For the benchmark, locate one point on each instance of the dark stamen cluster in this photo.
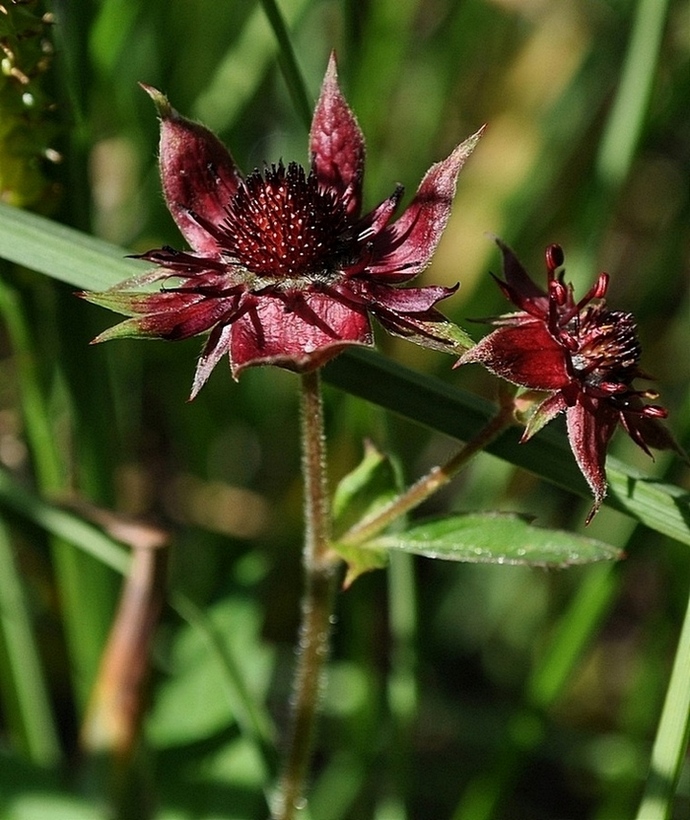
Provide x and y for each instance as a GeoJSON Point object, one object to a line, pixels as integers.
{"type": "Point", "coordinates": [282, 225]}
{"type": "Point", "coordinates": [608, 347]}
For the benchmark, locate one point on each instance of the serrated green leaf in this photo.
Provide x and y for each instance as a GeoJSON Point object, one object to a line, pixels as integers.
{"type": "Point", "coordinates": [495, 538]}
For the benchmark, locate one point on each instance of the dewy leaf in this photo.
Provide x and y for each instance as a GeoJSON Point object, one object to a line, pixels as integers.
{"type": "Point", "coordinates": [495, 538]}
{"type": "Point", "coordinates": [368, 488]}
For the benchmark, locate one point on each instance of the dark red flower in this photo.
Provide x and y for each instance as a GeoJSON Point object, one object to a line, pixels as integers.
{"type": "Point", "coordinates": [583, 354]}
{"type": "Point", "coordinates": [283, 268]}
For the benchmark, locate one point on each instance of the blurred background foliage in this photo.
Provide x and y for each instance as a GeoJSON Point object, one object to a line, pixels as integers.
{"type": "Point", "coordinates": [456, 691]}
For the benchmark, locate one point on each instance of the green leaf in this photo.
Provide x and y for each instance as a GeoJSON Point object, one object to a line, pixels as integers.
{"type": "Point", "coordinates": [364, 491]}
{"type": "Point", "coordinates": [495, 538]}
{"type": "Point", "coordinates": [359, 560]}
{"type": "Point", "coordinates": [219, 672]}
{"type": "Point", "coordinates": [359, 495]}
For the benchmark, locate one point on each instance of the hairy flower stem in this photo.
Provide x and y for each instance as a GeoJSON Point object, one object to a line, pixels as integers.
{"type": "Point", "coordinates": [433, 481]}
{"type": "Point", "coordinates": [317, 606]}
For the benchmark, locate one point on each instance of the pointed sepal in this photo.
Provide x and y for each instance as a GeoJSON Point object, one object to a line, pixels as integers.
{"type": "Point", "coordinates": [198, 174]}
{"type": "Point", "coordinates": [336, 142]}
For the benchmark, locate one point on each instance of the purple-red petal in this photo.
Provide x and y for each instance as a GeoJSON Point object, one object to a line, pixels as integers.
{"type": "Point", "coordinates": [300, 337]}
{"type": "Point", "coordinates": [184, 322]}
{"type": "Point", "coordinates": [526, 355]}
{"type": "Point", "coordinates": [336, 142]}
{"type": "Point", "coordinates": [521, 289]}
{"type": "Point", "coordinates": [168, 316]}
{"type": "Point", "coordinates": [591, 423]}
{"type": "Point", "coordinates": [198, 174]}
{"type": "Point", "coordinates": [408, 244]}
{"type": "Point", "coordinates": [647, 430]}
{"type": "Point", "coordinates": [409, 300]}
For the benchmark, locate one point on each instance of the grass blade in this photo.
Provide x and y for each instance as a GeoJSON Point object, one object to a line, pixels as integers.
{"type": "Point", "coordinates": [62, 524]}
{"type": "Point", "coordinates": [619, 141]}
{"type": "Point", "coordinates": [243, 68]}
{"type": "Point", "coordinates": [670, 745]}
{"type": "Point", "coordinates": [33, 712]}
{"type": "Point", "coordinates": [288, 63]}
{"type": "Point", "coordinates": [61, 252]}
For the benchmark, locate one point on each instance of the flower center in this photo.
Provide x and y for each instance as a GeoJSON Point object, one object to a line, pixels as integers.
{"type": "Point", "coordinates": [282, 225]}
{"type": "Point", "coordinates": [608, 348]}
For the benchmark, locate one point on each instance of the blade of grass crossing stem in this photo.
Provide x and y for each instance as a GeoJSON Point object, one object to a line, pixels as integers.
{"type": "Point", "coordinates": [440, 406]}
{"type": "Point", "coordinates": [624, 127]}
{"type": "Point", "coordinates": [27, 706]}
{"type": "Point", "coordinates": [288, 62]}
{"type": "Point", "coordinates": [670, 744]}
{"type": "Point", "coordinates": [83, 583]}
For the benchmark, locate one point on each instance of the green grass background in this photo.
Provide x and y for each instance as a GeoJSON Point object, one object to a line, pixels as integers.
{"type": "Point", "coordinates": [456, 691]}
